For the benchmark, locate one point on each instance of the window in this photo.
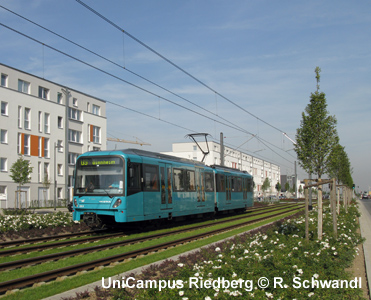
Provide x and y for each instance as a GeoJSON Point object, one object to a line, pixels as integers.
{"type": "Point", "coordinates": [60, 146]}
{"type": "Point", "coordinates": [2, 189]}
{"type": "Point", "coordinates": [250, 185]}
{"type": "Point", "coordinates": [3, 164]}
{"type": "Point", "coordinates": [39, 122]}
{"type": "Point", "coordinates": [19, 143]}
{"type": "Point", "coordinates": [4, 80]}
{"type": "Point", "coordinates": [74, 136]}
{"type": "Point", "coordinates": [60, 169]}
{"type": "Point", "coordinates": [27, 118]}
{"type": "Point", "coordinates": [151, 178]}
{"type": "Point", "coordinates": [96, 134]}
{"type": "Point", "coordinates": [43, 93]}
{"type": "Point", "coordinates": [40, 146]}
{"type": "Point", "coordinates": [19, 116]}
{"type": "Point", "coordinates": [59, 98]}
{"type": "Point", "coordinates": [239, 185]}
{"type": "Point", "coordinates": [178, 178]}
{"type": "Point", "coordinates": [23, 86]}
{"type": "Point", "coordinates": [59, 193]}
{"type": "Point", "coordinates": [134, 185]}
{"type": "Point", "coordinates": [96, 110]}
{"type": "Point", "coordinates": [74, 102]}
{"type": "Point", "coordinates": [190, 181]}
{"type": "Point", "coordinates": [4, 108]}
{"type": "Point", "coordinates": [46, 123]}
{"type": "Point", "coordinates": [72, 158]}
{"type": "Point", "coordinates": [39, 179]}
{"type": "Point", "coordinates": [209, 182]}
{"type": "Point", "coordinates": [4, 136]}
{"type": "Point", "coordinates": [74, 114]}
{"type": "Point", "coordinates": [220, 181]}
{"type": "Point", "coordinates": [60, 122]}
{"type": "Point", "coordinates": [46, 148]}
{"type": "Point", "coordinates": [46, 171]}
{"type": "Point", "coordinates": [26, 145]}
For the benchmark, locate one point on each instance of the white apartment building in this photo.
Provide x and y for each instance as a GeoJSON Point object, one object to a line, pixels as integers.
{"type": "Point", "coordinates": [50, 125]}
{"type": "Point", "coordinates": [236, 159]}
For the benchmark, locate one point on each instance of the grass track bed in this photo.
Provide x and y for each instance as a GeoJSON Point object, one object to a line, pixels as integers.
{"type": "Point", "coordinates": [48, 266]}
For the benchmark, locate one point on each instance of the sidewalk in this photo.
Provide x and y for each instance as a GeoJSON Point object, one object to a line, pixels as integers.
{"type": "Point", "coordinates": [365, 222]}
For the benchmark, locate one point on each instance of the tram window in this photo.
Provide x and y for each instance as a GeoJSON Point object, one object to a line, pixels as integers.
{"type": "Point", "coordinates": [190, 181]}
{"type": "Point", "coordinates": [239, 185]}
{"type": "Point", "coordinates": [151, 178]}
{"type": "Point", "coordinates": [250, 185]}
{"type": "Point", "coordinates": [220, 183]}
{"type": "Point", "coordinates": [133, 178]}
{"type": "Point", "coordinates": [178, 177]}
{"type": "Point", "coordinates": [209, 182]}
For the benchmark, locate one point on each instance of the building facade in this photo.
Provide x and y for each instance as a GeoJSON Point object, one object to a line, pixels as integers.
{"type": "Point", "coordinates": [49, 125]}
{"type": "Point", "coordinates": [257, 167]}
{"type": "Point", "coordinates": [294, 184]}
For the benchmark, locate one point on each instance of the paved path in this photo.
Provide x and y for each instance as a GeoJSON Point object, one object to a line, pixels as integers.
{"type": "Point", "coordinates": [365, 220]}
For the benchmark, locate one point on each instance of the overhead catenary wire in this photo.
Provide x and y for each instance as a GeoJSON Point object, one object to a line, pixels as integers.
{"type": "Point", "coordinates": [121, 67]}
{"type": "Point", "coordinates": [123, 80]}
{"type": "Point", "coordinates": [105, 72]}
{"type": "Point", "coordinates": [175, 65]}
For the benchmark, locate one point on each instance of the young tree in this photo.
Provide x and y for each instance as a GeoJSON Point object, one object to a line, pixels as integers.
{"type": "Point", "coordinates": [317, 134]}
{"type": "Point", "coordinates": [287, 187]}
{"type": "Point", "coordinates": [266, 185]}
{"type": "Point", "coordinates": [339, 166]}
{"type": "Point", "coordinates": [20, 172]}
{"type": "Point", "coordinates": [300, 190]}
{"type": "Point", "coordinates": [278, 187]}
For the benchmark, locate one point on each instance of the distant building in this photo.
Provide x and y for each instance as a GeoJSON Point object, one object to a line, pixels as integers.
{"type": "Point", "coordinates": [257, 167]}
{"type": "Point", "coordinates": [292, 183]}
{"type": "Point", "coordinates": [37, 122]}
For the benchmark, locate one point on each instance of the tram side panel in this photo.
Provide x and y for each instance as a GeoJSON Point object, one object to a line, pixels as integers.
{"type": "Point", "coordinates": [233, 190]}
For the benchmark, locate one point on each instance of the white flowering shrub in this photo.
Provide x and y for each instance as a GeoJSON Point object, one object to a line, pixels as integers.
{"type": "Point", "coordinates": [279, 252]}
{"type": "Point", "coordinates": [34, 221]}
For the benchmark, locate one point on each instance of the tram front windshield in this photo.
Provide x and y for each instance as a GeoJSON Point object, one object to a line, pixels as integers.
{"type": "Point", "coordinates": [99, 176]}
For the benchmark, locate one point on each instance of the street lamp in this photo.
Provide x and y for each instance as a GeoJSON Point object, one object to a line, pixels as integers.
{"type": "Point", "coordinates": [55, 173]}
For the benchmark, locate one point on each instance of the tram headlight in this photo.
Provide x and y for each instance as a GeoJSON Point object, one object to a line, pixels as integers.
{"type": "Point", "coordinates": [117, 203]}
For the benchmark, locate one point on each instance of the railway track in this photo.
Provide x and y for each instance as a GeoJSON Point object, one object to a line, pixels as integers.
{"type": "Point", "coordinates": [19, 242]}
{"type": "Point", "coordinates": [66, 236]}
{"type": "Point", "coordinates": [39, 247]}
{"type": "Point", "coordinates": [73, 269]}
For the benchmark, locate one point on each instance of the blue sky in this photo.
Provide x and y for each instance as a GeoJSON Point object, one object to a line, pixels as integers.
{"type": "Point", "coordinates": [259, 54]}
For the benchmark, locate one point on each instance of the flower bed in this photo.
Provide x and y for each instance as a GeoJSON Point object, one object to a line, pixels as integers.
{"type": "Point", "coordinates": [16, 223]}
{"type": "Point", "coordinates": [275, 264]}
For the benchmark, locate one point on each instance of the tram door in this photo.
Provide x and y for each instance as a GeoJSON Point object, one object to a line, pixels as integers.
{"type": "Point", "coordinates": [166, 186]}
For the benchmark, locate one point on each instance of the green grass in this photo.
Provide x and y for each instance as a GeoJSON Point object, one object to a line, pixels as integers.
{"type": "Point", "coordinates": [96, 275]}
{"type": "Point", "coordinates": [80, 246]}
{"type": "Point", "coordinates": [48, 266]}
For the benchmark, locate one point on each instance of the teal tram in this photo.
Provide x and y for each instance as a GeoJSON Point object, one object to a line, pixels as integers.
{"type": "Point", "coordinates": [125, 186]}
